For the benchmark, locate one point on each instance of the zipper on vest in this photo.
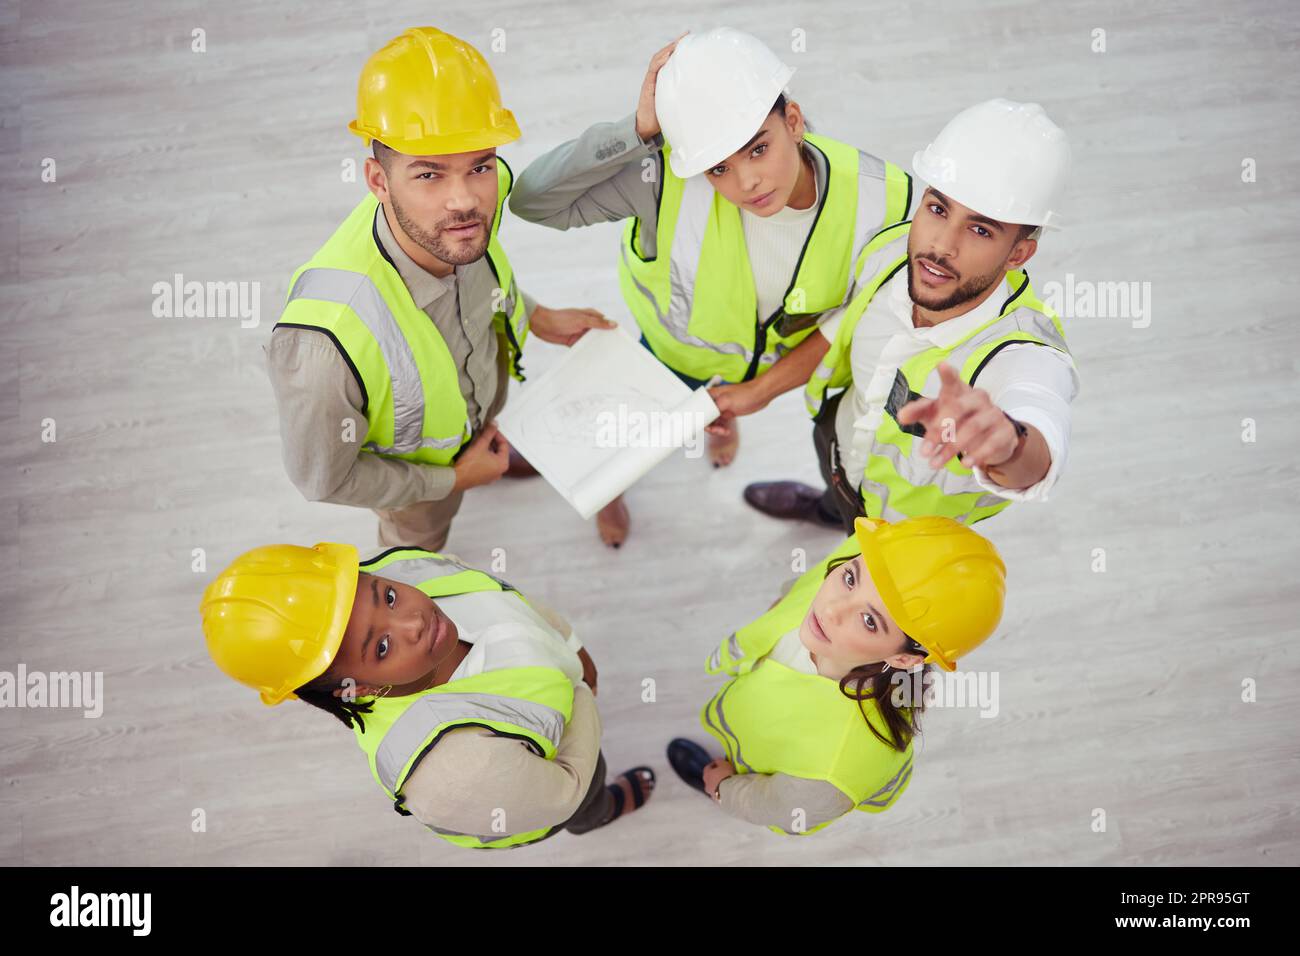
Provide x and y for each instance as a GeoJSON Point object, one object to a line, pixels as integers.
{"type": "Point", "coordinates": [760, 337]}
{"type": "Point", "coordinates": [517, 352]}
{"type": "Point", "coordinates": [761, 327]}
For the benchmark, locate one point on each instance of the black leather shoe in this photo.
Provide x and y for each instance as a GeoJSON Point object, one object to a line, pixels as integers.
{"type": "Point", "coordinates": [689, 760]}
{"type": "Point", "coordinates": [792, 500]}
{"type": "Point", "coordinates": [519, 466]}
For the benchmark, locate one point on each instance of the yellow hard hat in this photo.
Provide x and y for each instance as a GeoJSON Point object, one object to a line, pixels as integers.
{"type": "Point", "coordinates": [429, 93]}
{"type": "Point", "coordinates": [275, 618]}
{"type": "Point", "coordinates": [942, 582]}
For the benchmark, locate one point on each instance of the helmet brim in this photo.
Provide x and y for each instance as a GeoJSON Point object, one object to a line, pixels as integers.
{"type": "Point", "coordinates": [346, 569]}
{"type": "Point", "coordinates": [446, 145]}
{"type": "Point", "coordinates": [864, 529]}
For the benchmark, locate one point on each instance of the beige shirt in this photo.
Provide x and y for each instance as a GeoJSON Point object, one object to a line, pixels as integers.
{"type": "Point", "coordinates": [476, 782]}
{"type": "Point", "coordinates": [318, 395]}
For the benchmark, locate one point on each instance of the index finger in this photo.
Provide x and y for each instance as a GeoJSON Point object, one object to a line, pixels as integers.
{"type": "Point", "coordinates": [915, 410]}
{"type": "Point", "coordinates": [949, 378]}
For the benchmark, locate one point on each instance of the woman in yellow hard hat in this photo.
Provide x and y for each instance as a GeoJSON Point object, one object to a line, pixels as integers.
{"type": "Point", "coordinates": [442, 672]}
{"type": "Point", "coordinates": [741, 225]}
{"type": "Point", "coordinates": [819, 716]}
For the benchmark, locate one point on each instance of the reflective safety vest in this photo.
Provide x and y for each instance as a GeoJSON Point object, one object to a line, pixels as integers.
{"type": "Point", "coordinates": [532, 704]}
{"type": "Point", "coordinates": [410, 387]}
{"type": "Point", "coordinates": [772, 719]}
{"type": "Point", "coordinates": [898, 481]}
{"type": "Point", "coordinates": [695, 299]}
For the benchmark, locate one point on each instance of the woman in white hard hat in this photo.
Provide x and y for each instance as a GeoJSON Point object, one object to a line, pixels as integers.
{"type": "Point", "coordinates": [819, 716]}
{"type": "Point", "coordinates": [741, 224]}
{"type": "Point", "coordinates": [475, 710]}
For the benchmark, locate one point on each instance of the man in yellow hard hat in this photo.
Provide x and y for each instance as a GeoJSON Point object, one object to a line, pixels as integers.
{"type": "Point", "coordinates": [391, 359]}
{"type": "Point", "coordinates": [815, 721]}
{"type": "Point", "coordinates": [474, 706]}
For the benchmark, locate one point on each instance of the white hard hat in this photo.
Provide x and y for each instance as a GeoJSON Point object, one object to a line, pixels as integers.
{"type": "Point", "coordinates": [1005, 160]}
{"type": "Point", "coordinates": [712, 95]}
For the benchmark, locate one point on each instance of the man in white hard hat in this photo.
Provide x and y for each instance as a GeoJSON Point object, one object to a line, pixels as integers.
{"type": "Point", "coordinates": [957, 381]}
{"type": "Point", "coordinates": [741, 224]}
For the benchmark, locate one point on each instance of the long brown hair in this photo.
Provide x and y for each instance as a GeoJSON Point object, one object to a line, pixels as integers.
{"type": "Point", "coordinates": [872, 682]}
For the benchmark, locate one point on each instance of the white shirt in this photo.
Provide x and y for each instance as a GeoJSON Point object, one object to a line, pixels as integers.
{"type": "Point", "coordinates": [789, 650]}
{"type": "Point", "coordinates": [773, 244]}
{"type": "Point", "coordinates": [1031, 383]}
{"type": "Point", "coordinates": [506, 632]}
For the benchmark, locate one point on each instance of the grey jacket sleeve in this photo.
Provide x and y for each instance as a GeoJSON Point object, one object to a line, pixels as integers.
{"type": "Point", "coordinates": [606, 174]}
{"type": "Point", "coordinates": [478, 783]}
{"type": "Point", "coordinates": [319, 401]}
{"type": "Point", "coordinates": [530, 304]}
{"type": "Point", "coordinates": [794, 804]}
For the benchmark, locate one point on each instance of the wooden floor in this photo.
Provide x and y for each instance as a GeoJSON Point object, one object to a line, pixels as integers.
{"type": "Point", "coordinates": [1120, 691]}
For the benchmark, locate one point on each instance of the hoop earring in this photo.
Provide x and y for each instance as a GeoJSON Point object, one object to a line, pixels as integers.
{"type": "Point", "coordinates": [884, 666]}
{"type": "Point", "coordinates": [383, 691]}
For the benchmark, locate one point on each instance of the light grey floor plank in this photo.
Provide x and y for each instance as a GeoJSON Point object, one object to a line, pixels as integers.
{"type": "Point", "coordinates": [1119, 690]}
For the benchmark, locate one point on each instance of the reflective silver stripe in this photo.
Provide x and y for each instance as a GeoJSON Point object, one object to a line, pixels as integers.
{"type": "Point", "coordinates": [509, 302]}
{"type": "Point", "coordinates": [709, 720]}
{"type": "Point", "coordinates": [726, 727]}
{"type": "Point", "coordinates": [882, 796]}
{"type": "Point", "coordinates": [891, 514]}
{"type": "Point", "coordinates": [915, 469]}
{"type": "Point", "coordinates": [482, 838]}
{"type": "Point", "coordinates": [886, 512]}
{"type": "Point", "coordinates": [871, 176]}
{"type": "Point", "coordinates": [816, 387]}
{"type": "Point", "coordinates": [918, 474]}
{"type": "Point", "coordinates": [415, 571]}
{"type": "Point", "coordinates": [715, 659]}
{"type": "Point", "coordinates": [516, 303]}
{"type": "Point", "coordinates": [410, 732]}
{"type": "Point", "coordinates": [680, 334]}
{"type": "Point", "coordinates": [489, 837]}
{"type": "Point", "coordinates": [733, 648]}
{"type": "Point", "coordinates": [884, 801]}
{"type": "Point", "coordinates": [455, 442]}
{"type": "Point", "coordinates": [683, 261]}
{"type": "Point", "coordinates": [874, 264]}
{"type": "Point", "coordinates": [356, 291]}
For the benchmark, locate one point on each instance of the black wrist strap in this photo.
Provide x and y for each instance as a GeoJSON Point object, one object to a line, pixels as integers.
{"type": "Point", "coordinates": [1022, 430]}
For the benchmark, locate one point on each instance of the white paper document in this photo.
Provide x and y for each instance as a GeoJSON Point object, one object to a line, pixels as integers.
{"type": "Point", "coordinates": [602, 417]}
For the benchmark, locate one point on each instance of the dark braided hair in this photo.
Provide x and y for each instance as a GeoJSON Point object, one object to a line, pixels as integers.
{"type": "Point", "coordinates": [319, 692]}
{"type": "Point", "coordinates": [871, 682]}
